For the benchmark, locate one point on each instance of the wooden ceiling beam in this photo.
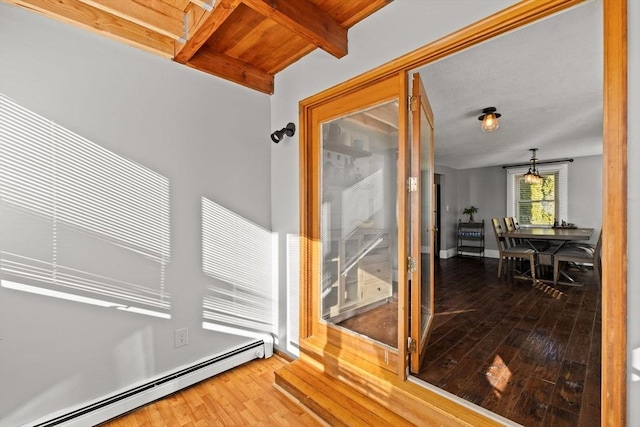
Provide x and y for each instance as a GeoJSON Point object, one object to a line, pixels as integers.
{"type": "Point", "coordinates": [206, 25]}
{"type": "Point", "coordinates": [98, 21]}
{"type": "Point", "coordinates": [157, 16]}
{"type": "Point", "coordinates": [307, 20]}
{"type": "Point", "coordinates": [234, 70]}
{"type": "Point", "coordinates": [370, 8]}
{"type": "Point", "coordinates": [205, 4]}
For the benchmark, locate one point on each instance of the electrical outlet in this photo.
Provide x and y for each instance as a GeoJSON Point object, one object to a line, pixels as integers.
{"type": "Point", "coordinates": [181, 337]}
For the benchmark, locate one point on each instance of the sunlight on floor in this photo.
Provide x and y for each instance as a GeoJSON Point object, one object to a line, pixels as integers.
{"type": "Point", "coordinates": [498, 376]}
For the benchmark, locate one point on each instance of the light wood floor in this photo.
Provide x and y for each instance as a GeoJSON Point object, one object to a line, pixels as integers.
{"type": "Point", "coordinates": [243, 396]}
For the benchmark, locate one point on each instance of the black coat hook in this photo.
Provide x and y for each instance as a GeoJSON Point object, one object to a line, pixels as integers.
{"type": "Point", "coordinates": [289, 130]}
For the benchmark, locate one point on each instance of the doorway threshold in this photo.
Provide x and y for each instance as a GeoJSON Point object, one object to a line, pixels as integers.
{"type": "Point", "coordinates": [479, 409]}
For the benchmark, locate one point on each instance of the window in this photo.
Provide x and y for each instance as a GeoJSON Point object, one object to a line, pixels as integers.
{"type": "Point", "coordinates": [538, 204]}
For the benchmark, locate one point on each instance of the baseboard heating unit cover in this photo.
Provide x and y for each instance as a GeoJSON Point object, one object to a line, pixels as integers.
{"type": "Point", "coordinates": [124, 401]}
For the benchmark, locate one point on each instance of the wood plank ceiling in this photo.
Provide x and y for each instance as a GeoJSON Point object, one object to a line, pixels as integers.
{"type": "Point", "coordinates": [244, 41]}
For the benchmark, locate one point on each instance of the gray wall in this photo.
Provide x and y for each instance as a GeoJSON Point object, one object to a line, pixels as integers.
{"type": "Point", "coordinates": [486, 189]}
{"type": "Point", "coordinates": [209, 137]}
{"type": "Point", "coordinates": [585, 193]}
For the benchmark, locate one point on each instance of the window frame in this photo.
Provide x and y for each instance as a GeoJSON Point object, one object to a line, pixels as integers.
{"type": "Point", "coordinates": [562, 194]}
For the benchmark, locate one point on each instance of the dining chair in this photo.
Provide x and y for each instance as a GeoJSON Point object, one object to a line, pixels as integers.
{"type": "Point", "coordinates": [583, 253]}
{"type": "Point", "coordinates": [506, 252]}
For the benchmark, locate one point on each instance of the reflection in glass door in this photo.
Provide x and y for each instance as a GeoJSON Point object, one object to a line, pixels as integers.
{"type": "Point", "coordinates": [359, 224]}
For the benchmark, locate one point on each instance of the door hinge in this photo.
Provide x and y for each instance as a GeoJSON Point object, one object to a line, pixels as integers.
{"type": "Point", "coordinates": [411, 345]}
{"type": "Point", "coordinates": [412, 265]}
{"type": "Point", "coordinates": [413, 103]}
{"type": "Point", "coordinates": [412, 184]}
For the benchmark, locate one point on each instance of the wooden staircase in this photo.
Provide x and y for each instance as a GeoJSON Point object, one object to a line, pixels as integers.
{"type": "Point", "coordinates": [333, 401]}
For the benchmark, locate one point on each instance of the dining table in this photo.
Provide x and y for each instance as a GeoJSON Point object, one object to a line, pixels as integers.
{"type": "Point", "coordinates": [558, 235]}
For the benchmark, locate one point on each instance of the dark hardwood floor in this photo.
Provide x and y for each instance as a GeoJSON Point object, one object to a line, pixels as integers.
{"type": "Point", "coordinates": [528, 353]}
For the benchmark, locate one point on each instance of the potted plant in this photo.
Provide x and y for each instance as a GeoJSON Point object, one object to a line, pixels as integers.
{"type": "Point", "coordinates": [470, 211]}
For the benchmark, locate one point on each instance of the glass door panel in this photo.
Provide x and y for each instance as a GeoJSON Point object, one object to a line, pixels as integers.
{"type": "Point", "coordinates": [422, 222]}
{"type": "Point", "coordinates": [358, 224]}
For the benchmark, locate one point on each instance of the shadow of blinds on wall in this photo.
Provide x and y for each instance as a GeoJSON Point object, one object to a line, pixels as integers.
{"type": "Point", "coordinates": [77, 221]}
{"type": "Point", "coordinates": [241, 255]}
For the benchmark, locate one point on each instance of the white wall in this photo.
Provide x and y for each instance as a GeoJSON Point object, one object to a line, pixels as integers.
{"type": "Point", "coordinates": [408, 25]}
{"type": "Point", "coordinates": [209, 137]}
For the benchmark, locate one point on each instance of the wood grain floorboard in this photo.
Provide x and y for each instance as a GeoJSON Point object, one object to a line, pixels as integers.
{"type": "Point", "coordinates": [531, 354]}
{"type": "Point", "coordinates": [527, 352]}
{"type": "Point", "coordinates": [243, 396]}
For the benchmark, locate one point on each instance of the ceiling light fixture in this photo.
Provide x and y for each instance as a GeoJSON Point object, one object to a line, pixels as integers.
{"type": "Point", "coordinates": [533, 176]}
{"type": "Point", "coordinates": [489, 119]}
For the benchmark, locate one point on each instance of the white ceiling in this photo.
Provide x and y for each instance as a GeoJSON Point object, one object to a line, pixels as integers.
{"type": "Point", "coordinates": [546, 81]}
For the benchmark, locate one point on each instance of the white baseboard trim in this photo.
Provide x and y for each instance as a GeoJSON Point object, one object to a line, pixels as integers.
{"type": "Point", "coordinates": [448, 253]}
{"type": "Point", "coordinates": [491, 253]}
{"type": "Point", "coordinates": [112, 406]}
{"type": "Point", "coordinates": [488, 253]}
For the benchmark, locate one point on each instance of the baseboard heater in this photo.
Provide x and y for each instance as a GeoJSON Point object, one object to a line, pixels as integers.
{"type": "Point", "coordinates": [130, 399]}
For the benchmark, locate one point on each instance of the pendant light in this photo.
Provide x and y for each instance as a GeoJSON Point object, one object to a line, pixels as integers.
{"type": "Point", "coordinates": [533, 176]}
{"type": "Point", "coordinates": [489, 119]}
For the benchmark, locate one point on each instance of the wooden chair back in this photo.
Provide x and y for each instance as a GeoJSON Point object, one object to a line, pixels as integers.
{"type": "Point", "coordinates": [515, 222]}
{"type": "Point", "coordinates": [507, 252]}
{"type": "Point", "coordinates": [499, 233]}
{"type": "Point", "coordinates": [510, 225]}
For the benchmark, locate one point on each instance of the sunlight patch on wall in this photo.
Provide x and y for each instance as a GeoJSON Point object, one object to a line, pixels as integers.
{"type": "Point", "coordinates": [79, 222]}
{"type": "Point", "coordinates": [293, 293]}
{"type": "Point", "coordinates": [241, 255]}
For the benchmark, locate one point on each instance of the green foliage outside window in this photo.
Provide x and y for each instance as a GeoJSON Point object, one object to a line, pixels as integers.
{"type": "Point", "coordinates": [537, 202]}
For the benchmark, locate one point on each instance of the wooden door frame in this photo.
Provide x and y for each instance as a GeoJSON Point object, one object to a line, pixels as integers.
{"type": "Point", "coordinates": [614, 214]}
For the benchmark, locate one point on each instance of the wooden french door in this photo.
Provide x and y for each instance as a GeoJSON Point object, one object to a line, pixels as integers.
{"type": "Point", "coordinates": [422, 228]}
{"type": "Point", "coordinates": [357, 223]}
{"type": "Point", "coordinates": [370, 166]}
